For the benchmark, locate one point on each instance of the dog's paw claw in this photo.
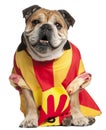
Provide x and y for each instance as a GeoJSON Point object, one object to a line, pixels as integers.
{"type": "Point", "coordinates": [91, 120]}
{"type": "Point", "coordinates": [29, 123]}
{"type": "Point", "coordinates": [83, 121]}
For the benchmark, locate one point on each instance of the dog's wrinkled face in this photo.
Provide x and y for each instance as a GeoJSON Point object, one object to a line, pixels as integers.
{"type": "Point", "coordinates": [46, 32]}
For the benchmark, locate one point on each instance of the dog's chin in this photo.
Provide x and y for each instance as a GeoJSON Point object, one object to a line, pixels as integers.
{"type": "Point", "coordinates": [44, 51]}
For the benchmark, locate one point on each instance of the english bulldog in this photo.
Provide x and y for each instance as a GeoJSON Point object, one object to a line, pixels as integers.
{"type": "Point", "coordinates": [48, 71]}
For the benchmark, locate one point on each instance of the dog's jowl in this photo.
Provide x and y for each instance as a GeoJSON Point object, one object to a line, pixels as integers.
{"type": "Point", "coordinates": [49, 73]}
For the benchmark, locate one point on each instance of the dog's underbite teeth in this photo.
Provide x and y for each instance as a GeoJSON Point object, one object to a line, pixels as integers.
{"type": "Point", "coordinates": [43, 41]}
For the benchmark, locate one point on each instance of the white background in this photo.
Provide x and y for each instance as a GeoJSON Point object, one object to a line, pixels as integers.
{"type": "Point", "coordinates": [88, 34]}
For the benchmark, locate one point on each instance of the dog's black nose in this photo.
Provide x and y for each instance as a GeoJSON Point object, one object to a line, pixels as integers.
{"type": "Point", "coordinates": [46, 27]}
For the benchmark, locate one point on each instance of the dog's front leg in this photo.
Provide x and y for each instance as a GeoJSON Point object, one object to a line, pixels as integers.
{"type": "Point", "coordinates": [31, 118]}
{"type": "Point", "coordinates": [77, 118]}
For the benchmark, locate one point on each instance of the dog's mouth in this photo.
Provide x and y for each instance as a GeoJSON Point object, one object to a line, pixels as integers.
{"type": "Point", "coordinates": [42, 45]}
{"type": "Point", "coordinates": [44, 40]}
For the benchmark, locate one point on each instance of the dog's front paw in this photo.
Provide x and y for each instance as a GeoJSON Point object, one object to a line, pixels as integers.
{"type": "Point", "coordinates": [30, 121]}
{"type": "Point", "coordinates": [82, 121]}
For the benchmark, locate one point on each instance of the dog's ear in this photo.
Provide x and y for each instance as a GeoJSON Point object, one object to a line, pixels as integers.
{"type": "Point", "coordinates": [67, 17]}
{"type": "Point", "coordinates": [29, 11]}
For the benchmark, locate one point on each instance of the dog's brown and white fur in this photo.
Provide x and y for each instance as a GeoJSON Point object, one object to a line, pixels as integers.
{"type": "Point", "coordinates": [45, 36]}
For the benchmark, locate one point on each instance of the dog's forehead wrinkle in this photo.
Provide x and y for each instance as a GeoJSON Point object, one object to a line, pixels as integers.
{"type": "Point", "coordinates": [48, 14]}
{"type": "Point", "coordinates": [42, 17]}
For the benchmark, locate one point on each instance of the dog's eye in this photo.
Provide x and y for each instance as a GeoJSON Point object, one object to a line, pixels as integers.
{"type": "Point", "coordinates": [58, 25]}
{"type": "Point", "coordinates": [35, 22]}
